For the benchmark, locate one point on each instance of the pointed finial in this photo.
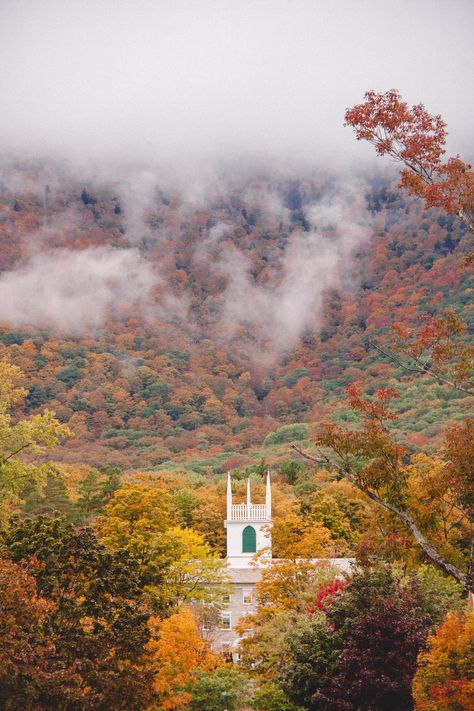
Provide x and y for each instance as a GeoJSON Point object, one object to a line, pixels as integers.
{"type": "Point", "coordinates": [268, 497]}
{"type": "Point", "coordinates": [229, 497]}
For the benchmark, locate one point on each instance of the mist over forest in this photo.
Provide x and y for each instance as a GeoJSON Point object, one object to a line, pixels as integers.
{"type": "Point", "coordinates": [276, 289]}
{"type": "Point", "coordinates": [257, 296]}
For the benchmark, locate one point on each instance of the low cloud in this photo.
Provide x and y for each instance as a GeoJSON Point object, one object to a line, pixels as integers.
{"type": "Point", "coordinates": [75, 290]}
{"type": "Point", "coordinates": [266, 310]}
{"type": "Point", "coordinates": [314, 261]}
{"type": "Point", "coordinates": [198, 101]}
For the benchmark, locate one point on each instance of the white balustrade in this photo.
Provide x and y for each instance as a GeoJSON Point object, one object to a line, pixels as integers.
{"type": "Point", "coordinates": [244, 512]}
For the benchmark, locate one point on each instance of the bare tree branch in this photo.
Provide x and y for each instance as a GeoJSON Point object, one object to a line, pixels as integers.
{"type": "Point", "coordinates": [421, 540]}
{"type": "Point", "coordinates": [17, 451]}
{"type": "Point", "coordinates": [421, 369]}
{"type": "Point", "coordinates": [318, 460]}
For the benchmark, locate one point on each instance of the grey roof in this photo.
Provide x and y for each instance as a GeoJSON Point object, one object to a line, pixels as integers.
{"type": "Point", "coordinates": [254, 575]}
{"type": "Point", "coordinates": [345, 565]}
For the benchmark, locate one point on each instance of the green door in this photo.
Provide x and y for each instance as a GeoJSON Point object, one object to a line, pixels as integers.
{"type": "Point", "coordinates": [249, 540]}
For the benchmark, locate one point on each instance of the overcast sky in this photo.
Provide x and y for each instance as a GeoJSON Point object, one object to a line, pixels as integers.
{"type": "Point", "coordinates": [168, 80]}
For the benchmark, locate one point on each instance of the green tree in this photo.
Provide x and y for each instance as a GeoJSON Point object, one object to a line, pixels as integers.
{"type": "Point", "coordinates": [48, 498]}
{"type": "Point", "coordinates": [266, 645]}
{"type": "Point", "coordinates": [272, 698]}
{"type": "Point", "coordinates": [292, 471]}
{"type": "Point", "coordinates": [22, 441]}
{"type": "Point", "coordinates": [325, 509]}
{"type": "Point", "coordinates": [441, 593]}
{"type": "Point", "coordinates": [219, 689]}
{"type": "Point", "coordinates": [284, 595]}
{"type": "Point", "coordinates": [95, 491]}
{"type": "Point", "coordinates": [310, 662]}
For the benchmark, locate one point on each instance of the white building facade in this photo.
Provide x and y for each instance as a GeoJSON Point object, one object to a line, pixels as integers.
{"type": "Point", "coordinates": [248, 528]}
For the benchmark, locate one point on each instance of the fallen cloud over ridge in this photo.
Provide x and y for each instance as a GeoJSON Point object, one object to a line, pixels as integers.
{"type": "Point", "coordinates": [75, 290]}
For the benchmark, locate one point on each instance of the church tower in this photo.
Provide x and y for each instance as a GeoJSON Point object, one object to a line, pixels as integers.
{"type": "Point", "coordinates": [248, 527]}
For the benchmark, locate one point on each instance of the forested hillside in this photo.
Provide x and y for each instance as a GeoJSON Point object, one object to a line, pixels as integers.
{"type": "Point", "coordinates": [212, 320]}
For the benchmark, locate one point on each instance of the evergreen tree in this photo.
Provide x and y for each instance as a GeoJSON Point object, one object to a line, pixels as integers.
{"type": "Point", "coordinates": [51, 498]}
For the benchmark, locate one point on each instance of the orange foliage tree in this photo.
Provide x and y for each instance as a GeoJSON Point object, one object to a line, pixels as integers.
{"type": "Point", "coordinates": [26, 648]}
{"type": "Point", "coordinates": [445, 678]}
{"type": "Point", "coordinates": [437, 348]}
{"type": "Point", "coordinates": [177, 652]}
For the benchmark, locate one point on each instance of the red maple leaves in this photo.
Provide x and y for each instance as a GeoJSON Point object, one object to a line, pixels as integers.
{"type": "Point", "coordinates": [326, 593]}
{"type": "Point", "coordinates": [417, 139]}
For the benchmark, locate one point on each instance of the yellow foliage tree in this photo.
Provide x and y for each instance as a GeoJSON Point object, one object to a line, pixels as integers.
{"type": "Point", "coordinates": [178, 565]}
{"type": "Point", "coordinates": [432, 498]}
{"type": "Point", "coordinates": [291, 585]}
{"type": "Point", "coordinates": [196, 573]}
{"type": "Point", "coordinates": [292, 537]}
{"type": "Point", "coordinates": [208, 515]}
{"type": "Point", "coordinates": [134, 520]}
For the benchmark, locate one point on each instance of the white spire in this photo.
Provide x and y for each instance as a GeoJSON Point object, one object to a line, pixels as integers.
{"type": "Point", "coordinates": [268, 497]}
{"type": "Point", "coordinates": [229, 497]}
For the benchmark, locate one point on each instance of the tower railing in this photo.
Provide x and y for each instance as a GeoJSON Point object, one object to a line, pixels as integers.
{"type": "Point", "coordinates": [244, 512]}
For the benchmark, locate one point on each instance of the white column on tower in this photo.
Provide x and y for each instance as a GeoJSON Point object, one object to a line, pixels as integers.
{"type": "Point", "coordinates": [248, 497]}
{"type": "Point", "coordinates": [268, 498]}
{"type": "Point", "coordinates": [229, 497]}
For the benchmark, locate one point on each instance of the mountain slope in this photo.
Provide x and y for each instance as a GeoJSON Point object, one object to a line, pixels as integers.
{"type": "Point", "coordinates": [169, 326]}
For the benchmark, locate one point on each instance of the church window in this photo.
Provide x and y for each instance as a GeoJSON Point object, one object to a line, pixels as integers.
{"type": "Point", "coordinates": [207, 619]}
{"type": "Point", "coordinates": [247, 597]}
{"type": "Point", "coordinates": [249, 540]}
{"type": "Point", "coordinates": [225, 621]}
{"type": "Point", "coordinates": [226, 599]}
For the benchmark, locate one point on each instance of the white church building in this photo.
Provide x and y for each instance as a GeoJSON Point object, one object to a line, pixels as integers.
{"type": "Point", "coordinates": [248, 527]}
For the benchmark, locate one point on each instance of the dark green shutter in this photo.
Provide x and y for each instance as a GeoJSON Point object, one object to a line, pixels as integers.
{"type": "Point", "coordinates": [249, 540]}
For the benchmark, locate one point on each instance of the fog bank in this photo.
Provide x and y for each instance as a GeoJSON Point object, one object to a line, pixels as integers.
{"type": "Point", "coordinates": [182, 83]}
